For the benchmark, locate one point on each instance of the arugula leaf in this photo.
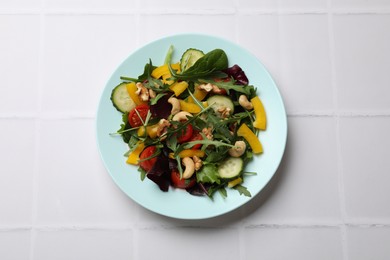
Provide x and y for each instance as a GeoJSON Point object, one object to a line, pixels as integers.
{"type": "Point", "coordinates": [214, 156]}
{"type": "Point", "coordinates": [208, 174]}
{"type": "Point", "coordinates": [206, 142]}
{"type": "Point", "coordinates": [124, 131]}
{"type": "Point", "coordinates": [133, 143]}
{"type": "Point", "coordinates": [223, 192]}
{"type": "Point", "coordinates": [230, 85]}
{"type": "Point", "coordinates": [153, 101]}
{"type": "Point", "coordinates": [242, 190]}
{"type": "Point", "coordinates": [168, 56]}
{"type": "Point", "coordinates": [142, 173]}
{"type": "Point", "coordinates": [147, 71]}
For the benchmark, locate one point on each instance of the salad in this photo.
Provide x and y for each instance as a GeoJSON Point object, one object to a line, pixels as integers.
{"type": "Point", "coordinates": [191, 124]}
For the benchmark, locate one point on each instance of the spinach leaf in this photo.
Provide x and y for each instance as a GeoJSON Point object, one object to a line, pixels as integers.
{"type": "Point", "coordinates": [212, 62]}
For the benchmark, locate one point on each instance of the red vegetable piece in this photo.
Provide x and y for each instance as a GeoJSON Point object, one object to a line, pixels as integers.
{"type": "Point", "coordinates": [196, 136]}
{"type": "Point", "coordinates": [146, 153]}
{"type": "Point", "coordinates": [181, 183]}
{"type": "Point", "coordinates": [185, 134]}
{"type": "Point", "coordinates": [136, 119]}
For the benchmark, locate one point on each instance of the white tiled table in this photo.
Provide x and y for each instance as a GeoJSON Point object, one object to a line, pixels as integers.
{"type": "Point", "coordinates": [330, 198]}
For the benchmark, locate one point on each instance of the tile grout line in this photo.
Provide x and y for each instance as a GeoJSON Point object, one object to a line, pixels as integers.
{"type": "Point", "coordinates": [137, 227]}
{"type": "Point", "coordinates": [136, 230]}
{"type": "Point", "coordinates": [241, 226]}
{"type": "Point", "coordinates": [181, 11]}
{"type": "Point", "coordinates": [35, 184]}
{"type": "Point", "coordinates": [341, 187]}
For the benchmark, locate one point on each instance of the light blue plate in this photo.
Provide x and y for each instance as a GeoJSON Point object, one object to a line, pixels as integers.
{"type": "Point", "coordinates": [178, 203]}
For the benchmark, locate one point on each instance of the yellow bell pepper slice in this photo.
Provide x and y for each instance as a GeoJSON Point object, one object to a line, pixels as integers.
{"type": "Point", "coordinates": [261, 118]}
{"type": "Point", "coordinates": [166, 79]}
{"type": "Point", "coordinates": [189, 153]}
{"type": "Point", "coordinates": [131, 89]}
{"type": "Point", "coordinates": [189, 107]}
{"type": "Point", "coordinates": [164, 70]}
{"type": "Point", "coordinates": [151, 130]}
{"type": "Point", "coordinates": [199, 94]}
{"type": "Point", "coordinates": [134, 155]}
{"type": "Point", "coordinates": [251, 138]}
{"type": "Point", "coordinates": [179, 87]}
{"type": "Point", "coordinates": [234, 182]}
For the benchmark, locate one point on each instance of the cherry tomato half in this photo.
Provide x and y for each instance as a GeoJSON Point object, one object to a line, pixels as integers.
{"type": "Point", "coordinates": [137, 119]}
{"type": "Point", "coordinates": [146, 153]}
{"type": "Point", "coordinates": [185, 134]}
{"type": "Point", "coordinates": [196, 136]}
{"type": "Point", "coordinates": [181, 183]}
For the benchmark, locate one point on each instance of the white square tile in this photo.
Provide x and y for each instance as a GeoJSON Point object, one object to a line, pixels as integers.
{"type": "Point", "coordinates": [20, 4]}
{"type": "Point", "coordinates": [74, 187]}
{"type": "Point", "coordinates": [366, 167]}
{"type": "Point", "coordinates": [187, 5]}
{"type": "Point", "coordinates": [362, 59]}
{"type": "Point", "coordinates": [305, 64]}
{"type": "Point", "coordinates": [19, 66]}
{"type": "Point", "coordinates": [17, 151]}
{"type": "Point", "coordinates": [89, 4]}
{"type": "Point", "coordinates": [176, 243]}
{"type": "Point", "coordinates": [155, 26]}
{"type": "Point", "coordinates": [258, 4]}
{"type": "Point", "coordinates": [83, 244]}
{"type": "Point", "coordinates": [368, 243]}
{"type": "Point", "coordinates": [360, 4]}
{"type": "Point", "coordinates": [15, 245]}
{"type": "Point", "coordinates": [283, 5]}
{"type": "Point", "coordinates": [262, 42]}
{"type": "Point", "coordinates": [305, 189]}
{"type": "Point", "coordinates": [81, 53]}
{"type": "Point", "coordinates": [303, 4]}
{"type": "Point", "coordinates": [292, 243]}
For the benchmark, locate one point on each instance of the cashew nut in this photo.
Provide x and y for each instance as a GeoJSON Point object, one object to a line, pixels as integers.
{"type": "Point", "coordinates": [162, 127]}
{"type": "Point", "coordinates": [152, 93]}
{"type": "Point", "coordinates": [142, 91]}
{"type": "Point", "coordinates": [238, 149]}
{"type": "Point", "coordinates": [175, 105]}
{"type": "Point", "coordinates": [211, 87]}
{"type": "Point", "coordinates": [189, 167]}
{"type": "Point", "coordinates": [197, 162]}
{"type": "Point", "coordinates": [181, 116]}
{"type": "Point", "coordinates": [207, 87]}
{"type": "Point", "coordinates": [245, 103]}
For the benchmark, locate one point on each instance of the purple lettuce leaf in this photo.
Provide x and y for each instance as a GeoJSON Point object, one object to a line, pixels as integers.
{"type": "Point", "coordinates": [238, 74]}
{"type": "Point", "coordinates": [160, 173]}
{"type": "Point", "coordinates": [162, 109]}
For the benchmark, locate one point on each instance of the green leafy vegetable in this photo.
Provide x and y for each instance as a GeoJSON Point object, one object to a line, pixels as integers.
{"type": "Point", "coordinates": [168, 56]}
{"type": "Point", "coordinates": [230, 85]}
{"type": "Point", "coordinates": [212, 62]}
{"type": "Point", "coordinates": [208, 174]}
{"type": "Point", "coordinates": [242, 190]}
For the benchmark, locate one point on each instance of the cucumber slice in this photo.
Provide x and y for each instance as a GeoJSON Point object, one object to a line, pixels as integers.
{"type": "Point", "coordinates": [189, 57]}
{"type": "Point", "coordinates": [231, 167]}
{"type": "Point", "coordinates": [219, 102]}
{"type": "Point", "coordinates": [121, 99]}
